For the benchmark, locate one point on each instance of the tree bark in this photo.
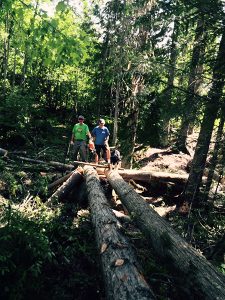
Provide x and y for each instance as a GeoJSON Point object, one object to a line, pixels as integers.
{"type": "Point", "coordinates": [28, 42]}
{"type": "Point", "coordinates": [150, 177]}
{"type": "Point", "coordinates": [167, 94]}
{"type": "Point", "coordinates": [6, 51]}
{"type": "Point", "coordinates": [133, 115]}
{"type": "Point", "coordinates": [75, 179]}
{"type": "Point", "coordinates": [122, 278]}
{"type": "Point", "coordinates": [59, 181]}
{"type": "Point", "coordinates": [198, 278]}
{"type": "Point", "coordinates": [191, 100]}
{"type": "Point", "coordinates": [57, 165]}
{"type": "Point", "coordinates": [218, 249]}
{"type": "Point", "coordinates": [214, 159]}
{"type": "Point", "coordinates": [92, 164]}
{"type": "Point", "coordinates": [210, 114]}
{"type": "Point", "coordinates": [3, 152]}
{"type": "Point", "coordinates": [116, 111]}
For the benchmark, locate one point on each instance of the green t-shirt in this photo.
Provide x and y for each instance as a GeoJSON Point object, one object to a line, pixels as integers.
{"type": "Point", "coordinates": [80, 131]}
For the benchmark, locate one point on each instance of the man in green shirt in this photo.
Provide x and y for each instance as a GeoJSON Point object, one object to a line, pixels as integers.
{"type": "Point", "coordinates": [79, 136]}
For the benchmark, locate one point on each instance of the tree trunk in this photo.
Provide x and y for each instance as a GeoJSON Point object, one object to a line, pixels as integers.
{"type": "Point", "coordinates": [6, 51]}
{"type": "Point", "coordinates": [198, 278]}
{"type": "Point", "coordinates": [3, 152]}
{"type": "Point", "coordinates": [59, 181]}
{"type": "Point", "coordinates": [57, 165]}
{"type": "Point", "coordinates": [122, 278]}
{"type": "Point", "coordinates": [28, 49]}
{"type": "Point", "coordinates": [161, 179]}
{"type": "Point", "coordinates": [211, 110]}
{"type": "Point", "coordinates": [75, 179]}
{"type": "Point", "coordinates": [14, 69]}
{"type": "Point", "coordinates": [168, 92]}
{"type": "Point", "coordinates": [191, 100]}
{"type": "Point", "coordinates": [132, 124]}
{"type": "Point", "coordinates": [77, 163]}
{"type": "Point", "coordinates": [151, 177]}
{"type": "Point", "coordinates": [219, 249]}
{"type": "Point", "coordinates": [116, 111]}
{"type": "Point", "coordinates": [214, 159]}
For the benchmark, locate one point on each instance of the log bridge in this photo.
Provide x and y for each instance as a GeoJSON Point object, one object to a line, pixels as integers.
{"type": "Point", "coordinates": [122, 273]}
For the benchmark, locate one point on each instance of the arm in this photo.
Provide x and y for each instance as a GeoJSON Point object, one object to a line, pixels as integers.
{"type": "Point", "coordinates": [89, 134]}
{"type": "Point", "coordinates": [72, 139]}
{"type": "Point", "coordinates": [93, 134]}
{"type": "Point", "coordinates": [107, 138]}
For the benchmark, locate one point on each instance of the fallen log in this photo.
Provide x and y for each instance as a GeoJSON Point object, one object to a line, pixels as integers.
{"type": "Point", "coordinates": [76, 162]}
{"type": "Point", "coordinates": [75, 179]}
{"type": "Point", "coordinates": [151, 177]}
{"type": "Point", "coordinates": [3, 152]}
{"type": "Point", "coordinates": [106, 166]}
{"type": "Point", "coordinates": [59, 181]}
{"type": "Point", "coordinates": [122, 278]}
{"type": "Point", "coordinates": [156, 176]}
{"type": "Point", "coordinates": [57, 165]}
{"type": "Point", "coordinates": [199, 278]}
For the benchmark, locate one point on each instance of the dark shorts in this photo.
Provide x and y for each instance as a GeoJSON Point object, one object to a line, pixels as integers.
{"type": "Point", "coordinates": [98, 149]}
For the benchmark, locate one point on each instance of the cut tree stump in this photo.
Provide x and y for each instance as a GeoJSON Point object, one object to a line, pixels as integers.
{"type": "Point", "coordinates": [199, 278]}
{"type": "Point", "coordinates": [122, 278]}
{"type": "Point", "coordinates": [74, 179]}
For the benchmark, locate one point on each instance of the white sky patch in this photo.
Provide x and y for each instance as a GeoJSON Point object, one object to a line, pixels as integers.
{"type": "Point", "coordinates": [49, 8]}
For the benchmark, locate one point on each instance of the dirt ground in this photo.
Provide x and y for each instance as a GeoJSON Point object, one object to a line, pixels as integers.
{"type": "Point", "coordinates": [163, 160]}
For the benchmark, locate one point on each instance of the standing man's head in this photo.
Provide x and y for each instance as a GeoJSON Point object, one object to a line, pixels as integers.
{"type": "Point", "coordinates": [101, 122]}
{"type": "Point", "coordinates": [81, 119]}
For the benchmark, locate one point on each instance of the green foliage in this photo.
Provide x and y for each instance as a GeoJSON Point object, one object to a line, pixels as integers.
{"type": "Point", "coordinates": [2, 164]}
{"type": "Point", "coordinates": [13, 187]}
{"type": "Point", "coordinates": [24, 250]}
{"type": "Point", "coordinates": [222, 268]}
{"type": "Point", "coordinates": [44, 254]}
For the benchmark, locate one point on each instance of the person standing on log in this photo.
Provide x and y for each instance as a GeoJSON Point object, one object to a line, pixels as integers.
{"type": "Point", "coordinates": [101, 138]}
{"type": "Point", "coordinates": [79, 139]}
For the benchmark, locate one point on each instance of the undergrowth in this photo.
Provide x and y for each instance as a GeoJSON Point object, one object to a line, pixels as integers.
{"type": "Point", "coordinates": [45, 254]}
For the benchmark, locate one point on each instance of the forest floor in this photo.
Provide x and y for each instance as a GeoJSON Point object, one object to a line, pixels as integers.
{"type": "Point", "coordinates": [72, 270]}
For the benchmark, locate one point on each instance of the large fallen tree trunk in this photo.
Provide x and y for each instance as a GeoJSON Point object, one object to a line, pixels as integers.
{"type": "Point", "coordinates": [75, 178]}
{"type": "Point", "coordinates": [150, 177]}
{"type": "Point", "coordinates": [199, 278]}
{"type": "Point", "coordinates": [138, 175]}
{"type": "Point", "coordinates": [122, 278]}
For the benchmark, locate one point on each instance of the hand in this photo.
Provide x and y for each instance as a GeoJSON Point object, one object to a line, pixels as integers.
{"type": "Point", "coordinates": [71, 142]}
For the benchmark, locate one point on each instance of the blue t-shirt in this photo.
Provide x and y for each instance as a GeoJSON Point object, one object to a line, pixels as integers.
{"type": "Point", "coordinates": [100, 134]}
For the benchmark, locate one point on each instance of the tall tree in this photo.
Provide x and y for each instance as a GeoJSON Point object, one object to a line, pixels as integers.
{"type": "Point", "coordinates": [211, 109]}
{"type": "Point", "coordinates": [167, 94]}
{"type": "Point", "coordinates": [190, 106]}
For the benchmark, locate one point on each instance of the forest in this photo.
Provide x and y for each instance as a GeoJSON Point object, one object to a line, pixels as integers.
{"type": "Point", "coordinates": [154, 70]}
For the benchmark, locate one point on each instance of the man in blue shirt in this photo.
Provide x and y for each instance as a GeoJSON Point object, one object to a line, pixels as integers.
{"type": "Point", "coordinates": [101, 138]}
